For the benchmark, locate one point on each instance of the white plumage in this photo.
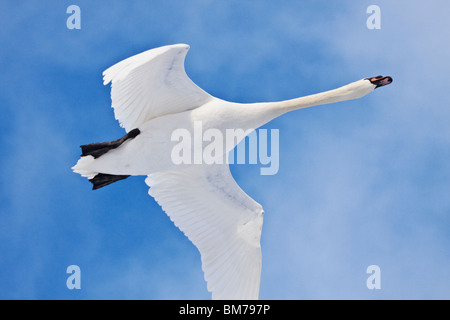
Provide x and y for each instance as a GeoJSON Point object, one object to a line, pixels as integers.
{"type": "Point", "coordinates": [221, 221]}
{"type": "Point", "coordinates": [151, 91]}
{"type": "Point", "coordinates": [152, 84]}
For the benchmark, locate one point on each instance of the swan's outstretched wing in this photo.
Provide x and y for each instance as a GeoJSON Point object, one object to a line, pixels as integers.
{"type": "Point", "coordinates": [221, 220]}
{"type": "Point", "coordinates": [152, 84]}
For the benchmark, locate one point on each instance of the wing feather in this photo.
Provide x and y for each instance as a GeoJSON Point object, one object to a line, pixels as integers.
{"type": "Point", "coordinates": [221, 220]}
{"type": "Point", "coordinates": [152, 84]}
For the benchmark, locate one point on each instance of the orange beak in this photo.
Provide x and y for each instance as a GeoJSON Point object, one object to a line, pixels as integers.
{"type": "Point", "coordinates": [380, 81]}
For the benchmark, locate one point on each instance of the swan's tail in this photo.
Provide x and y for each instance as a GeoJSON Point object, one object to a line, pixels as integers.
{"type": "Point", "coordinates": [83, 167]}
{"type": "Point", "coordinates": [92, 151]}
{"type": "Point", "coordinates": [97, 179]}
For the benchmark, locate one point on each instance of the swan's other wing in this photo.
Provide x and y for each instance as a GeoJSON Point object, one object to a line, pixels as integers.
{"type": "Point", "coordinates": [152, 84]}
{"type": "Point", "coordinates": [222, 221]}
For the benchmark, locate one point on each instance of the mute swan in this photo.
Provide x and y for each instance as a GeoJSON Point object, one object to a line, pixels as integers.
{"type": "Point", "coordinates": [152, 96]}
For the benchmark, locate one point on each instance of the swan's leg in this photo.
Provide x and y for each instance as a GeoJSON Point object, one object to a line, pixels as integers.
{"type": "Point", "coordinates": [98, 149]}
{"type": "Point", "coordinates": [102, 179]}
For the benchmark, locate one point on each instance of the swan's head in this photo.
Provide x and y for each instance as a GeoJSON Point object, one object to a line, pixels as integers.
{"type": "Point", "coordinates": [361, 87]}
{"type": "Point", "coordinates": [379, 81]}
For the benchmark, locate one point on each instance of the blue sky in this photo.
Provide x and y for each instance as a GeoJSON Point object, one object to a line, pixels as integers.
{"type": "Point", "coordinates": [361, 182]}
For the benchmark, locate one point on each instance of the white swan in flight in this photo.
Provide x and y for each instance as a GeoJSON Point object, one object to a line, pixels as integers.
{"type": "Point", "coordinates": [152, 96]}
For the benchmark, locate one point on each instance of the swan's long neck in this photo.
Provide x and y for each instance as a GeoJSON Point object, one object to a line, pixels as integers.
{"type": "Point", "coordinates": [344, 93]}
{"type": "Point", "coordinates": [271, 110]}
